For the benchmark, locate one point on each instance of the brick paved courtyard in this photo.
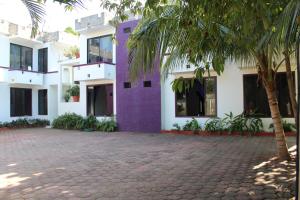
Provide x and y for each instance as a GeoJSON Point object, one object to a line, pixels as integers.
{"type": "Point", "coordinates": [54, 164]}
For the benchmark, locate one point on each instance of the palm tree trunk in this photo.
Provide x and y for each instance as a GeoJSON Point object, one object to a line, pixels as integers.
{"type": "Point", "coordinates": [291, 84]}
{"type": "Point", "coordinates": [275, 113]}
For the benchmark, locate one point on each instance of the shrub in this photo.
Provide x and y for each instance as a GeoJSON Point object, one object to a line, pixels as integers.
{"type": "Point", "coordinates": [254, 124]}
{"type": "Point", "coordinates": [287, 127]}
{"type": "Point", "coordinates": [88, 124]}
{"type": "Point", "coordinates": [107, 125]}
{"type": "Point", "coordinates": [67, 121]}
{"type": "Point", "coordinates": [25, 123]}
{"type": "Point", "coordinates": [214, 124]}
{"type": "Point", "coordinates": [176, 127]}
{"type": "Point", "coordinates": [242, 123]}
{"type": "Point", "coordinates": [192, 125]}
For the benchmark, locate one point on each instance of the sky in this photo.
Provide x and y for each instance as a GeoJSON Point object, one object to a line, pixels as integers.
{"type": "Point", "coordinates": [56, 17]}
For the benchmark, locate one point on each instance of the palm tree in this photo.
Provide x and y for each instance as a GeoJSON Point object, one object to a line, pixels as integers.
{"type": "Point", "coordinates": [206, 33]}
{"type": "Point", "coordinates": [36, 10]}
{"type": "Point", "coordinates": [286, 35]}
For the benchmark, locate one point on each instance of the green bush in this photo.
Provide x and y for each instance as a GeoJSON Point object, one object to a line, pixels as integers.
{"type": "Point", "coordinates": [192, 125]}
{"type": "Point", "coordinates": [214, 124]}
{"type": "Point", "coordinates": [67, 121]}
{"type": "Point", "coordinates": [25, 123]}
{"type": "Point", "coordinates": [242, 123]}
{"type": "Point", "coordinates": [72, 121]}
{"type": "Point", "coordinates": [287, 127]}
{"type": "Point", "coordinates": [176, 127]}
{"type": "Point", "coordinates": [88, 124]}
{"type": "Point", "coordinates": [107, 125]}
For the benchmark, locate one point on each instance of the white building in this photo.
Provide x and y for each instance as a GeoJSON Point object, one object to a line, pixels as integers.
{"type": "Point", "coordinates": [29, 75]}
{"type": "Point", "coordinates": [35, 75]}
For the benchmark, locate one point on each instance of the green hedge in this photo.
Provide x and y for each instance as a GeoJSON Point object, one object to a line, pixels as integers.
{"type": "Point", "coordinates": [25, 123]}
{"type": "Point", "coordinates": [72, 121]}
{"type": "Point", "coordinates": [67, 121]}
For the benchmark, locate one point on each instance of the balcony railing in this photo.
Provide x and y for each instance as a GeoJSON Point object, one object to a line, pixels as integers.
{"type": "Point", "coordinates": [20, 76]}
{"type": "Point", "coordinates": [95, 71]}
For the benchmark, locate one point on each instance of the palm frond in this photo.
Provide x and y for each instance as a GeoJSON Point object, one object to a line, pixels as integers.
{"type": "Point", "coordinates": [36, 12]}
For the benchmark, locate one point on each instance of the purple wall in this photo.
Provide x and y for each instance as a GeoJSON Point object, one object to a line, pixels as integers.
{"type": "Point", "coordinates": [138, 107]}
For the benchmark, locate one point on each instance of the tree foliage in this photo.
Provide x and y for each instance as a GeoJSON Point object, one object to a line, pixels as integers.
{"type": "Point", "coordinates": [37, 11]}
{"type": "Point", "coordinates": [208, 33]}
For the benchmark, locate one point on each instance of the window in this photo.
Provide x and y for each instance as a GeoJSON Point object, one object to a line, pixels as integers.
{"type": "Point", "coordinates": [20, 102]}
{"type": "Point", "coordinates": [127, 85]}
{"type": "Point", "coordinates": [199, 100]}
{"type": "Point", "coordinates": [42, 99]}
{"type": "Point", "coordinates": [99, 49]}
{"type": "Point", "coordinates": [100, 100]}
{"type": "Point", "coordinates": [147, 83]}
{"type": "Point", "coordinates": [255, 97]}
{"type": "Point", "coordinates": [127, 30]}
{"type": "Point", "coordinates": [20, 57]}
{"type": "Point", "coordinates": [43, 60]}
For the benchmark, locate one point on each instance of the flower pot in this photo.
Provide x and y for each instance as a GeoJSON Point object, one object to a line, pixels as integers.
{"type": "Point", "coordinates": [77, 55]}
{"type": "Point", "coordinates": [75, 98]}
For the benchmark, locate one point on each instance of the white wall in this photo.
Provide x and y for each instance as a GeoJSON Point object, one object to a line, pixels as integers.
{"type": "Point", "coordinates": [4, 51]}
{"type": "Point", "coordinates": [229, 96]}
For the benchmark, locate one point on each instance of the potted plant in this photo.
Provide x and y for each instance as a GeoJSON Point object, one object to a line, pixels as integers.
{"type": "Point", "coordinates": [67, 97]}
{"type": "Point", "coordinates": [72, 52]}
{"type": "Point", "coordinates": [76, 52]}
{"type": "Point", "coordinates": [74, 92]}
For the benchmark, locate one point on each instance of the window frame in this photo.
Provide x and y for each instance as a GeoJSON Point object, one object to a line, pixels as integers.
{"type": "Point", "coordinates": [20, 58]}
{"type": "Point", "coordinates": [87, 49]}
{"type": "Point", "coordinates": [244, 99]}
{"type": "Point", "coordinates": [216, 103]}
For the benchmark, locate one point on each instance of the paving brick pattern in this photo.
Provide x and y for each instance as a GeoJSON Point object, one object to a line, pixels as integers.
{"type": "Point", "coordinates": [53, 164]}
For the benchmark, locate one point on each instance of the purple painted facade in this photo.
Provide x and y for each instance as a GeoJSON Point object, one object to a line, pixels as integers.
{"type": "Point", "coordinates": [138, 107]}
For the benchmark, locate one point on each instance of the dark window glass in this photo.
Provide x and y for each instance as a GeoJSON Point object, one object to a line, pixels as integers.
{"type": "Point", "coordinates": [99, 49]}
{"type": "Point", "coordinates": [15, 55]}
{"type": "Point", "coordinates": [127, 85]}
{"type": "Point", "coordinates": [100, 100]}
{"type": "Point", "coordinates": [147, 83]}
{"type": "Point", "coordinates": [43, 102]}
{"type": "Point", "coordinates": [127, 30]}
{"type": "Point", "coordinates": [20, 57]}
{"type": "Point", "coordinates": [255, 97]}
{"type": "Point", "coordinates": [20, 102]}
{"type": "Point", "coordinates": [43, 60]}
{"type": "Point", "coordinates": [199, 100]}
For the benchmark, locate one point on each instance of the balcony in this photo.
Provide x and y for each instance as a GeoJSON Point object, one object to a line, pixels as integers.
{"type": "Point", "coordinates": [98, 71]}
{"type": "Point", "coordinates": [17, 76]}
